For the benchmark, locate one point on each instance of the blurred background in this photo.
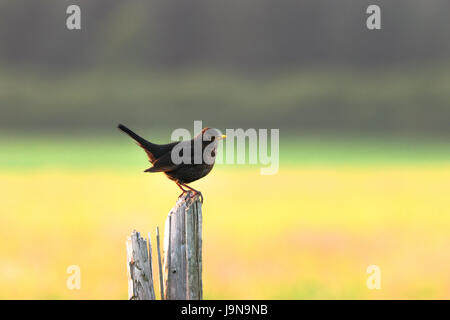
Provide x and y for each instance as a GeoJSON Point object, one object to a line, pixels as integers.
{"type": "Point", "coordinates": [364, 149]}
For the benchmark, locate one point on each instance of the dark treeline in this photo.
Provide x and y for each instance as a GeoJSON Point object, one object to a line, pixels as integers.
{"type": "Point", "coordinates": [249, 35]}
{"type": "Point", "coordinates": [299, 65]}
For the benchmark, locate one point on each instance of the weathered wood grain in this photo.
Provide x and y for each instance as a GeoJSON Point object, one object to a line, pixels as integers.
{"type": "Point", "coordinates": [182, 250]}
{"type": "Point", "coordinates": [193, 251]}
{"type": "Point", "coordinates": [140, 279]}
{"type": "Point", "coordinates": [182, 277]}
{"type": "Point", "coordinates": [161, 282]}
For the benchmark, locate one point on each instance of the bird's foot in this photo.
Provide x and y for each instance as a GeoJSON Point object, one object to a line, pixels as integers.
{"type": "Point", "coordinates": [189, 194]}
{"type": "Point", "coordinates": [199, 194]}
{"type": "Point", "coordinates": [192, 194]}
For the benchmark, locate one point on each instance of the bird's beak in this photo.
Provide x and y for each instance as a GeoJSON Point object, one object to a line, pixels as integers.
{"type": "Point", "coordinates": [223, 137]}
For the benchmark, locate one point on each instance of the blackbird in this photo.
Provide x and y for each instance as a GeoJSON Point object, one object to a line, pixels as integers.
{"type": "Point", "coordinates": [185, 161]}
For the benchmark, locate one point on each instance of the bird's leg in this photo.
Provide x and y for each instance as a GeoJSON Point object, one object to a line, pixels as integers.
{"type": "Point", "coordinates": [184, 191]}
{"type": "Point", "coordinates": [195, 191]}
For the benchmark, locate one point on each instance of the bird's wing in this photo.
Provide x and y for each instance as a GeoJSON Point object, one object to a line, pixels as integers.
{"type": "Point", "coordinates": [159, 150]}
{"type": "Point", "coordinates": [163, 164]}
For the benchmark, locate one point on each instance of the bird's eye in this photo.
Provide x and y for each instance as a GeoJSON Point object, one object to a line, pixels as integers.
{"type": "Point", "coordinates": [213, 153]}
{"type": "Point", "coordinates": [213, 138]}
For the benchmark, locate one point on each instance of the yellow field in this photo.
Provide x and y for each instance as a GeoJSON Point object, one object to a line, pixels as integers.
{"type": "Point", "coordinates": [303, 233]}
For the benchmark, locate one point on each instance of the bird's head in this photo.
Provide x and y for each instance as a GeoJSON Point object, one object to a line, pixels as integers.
{"type": "Point", "coordinates": [211, 135]}
{"type": "Point", "coordinates": [210, 138]}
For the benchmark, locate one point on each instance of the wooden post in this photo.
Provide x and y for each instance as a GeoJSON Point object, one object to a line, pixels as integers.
{"type": "Point", "coordinates": [161, 281]}
{"type": "Point", "coordinates": [139, 269]}
{"type": "Point", "coordinates": [182, 256]}
{"type": "Point", "coordinates": [183, 250]}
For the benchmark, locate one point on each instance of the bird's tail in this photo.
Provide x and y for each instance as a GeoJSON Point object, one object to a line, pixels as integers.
{"type": "Point", "coordinates": [144, 143]}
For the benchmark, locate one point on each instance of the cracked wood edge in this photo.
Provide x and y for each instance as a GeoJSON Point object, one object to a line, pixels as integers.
{"type": "Point", "coordinates": [140, 279]}
{"type": "Point", "coordinates": [182, 250]}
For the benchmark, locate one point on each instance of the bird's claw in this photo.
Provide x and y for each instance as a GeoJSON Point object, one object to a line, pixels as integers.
{"type": "Point", "coordinates": [192, 194]}
{"type": "Point", "coordinates": [201, 196]}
